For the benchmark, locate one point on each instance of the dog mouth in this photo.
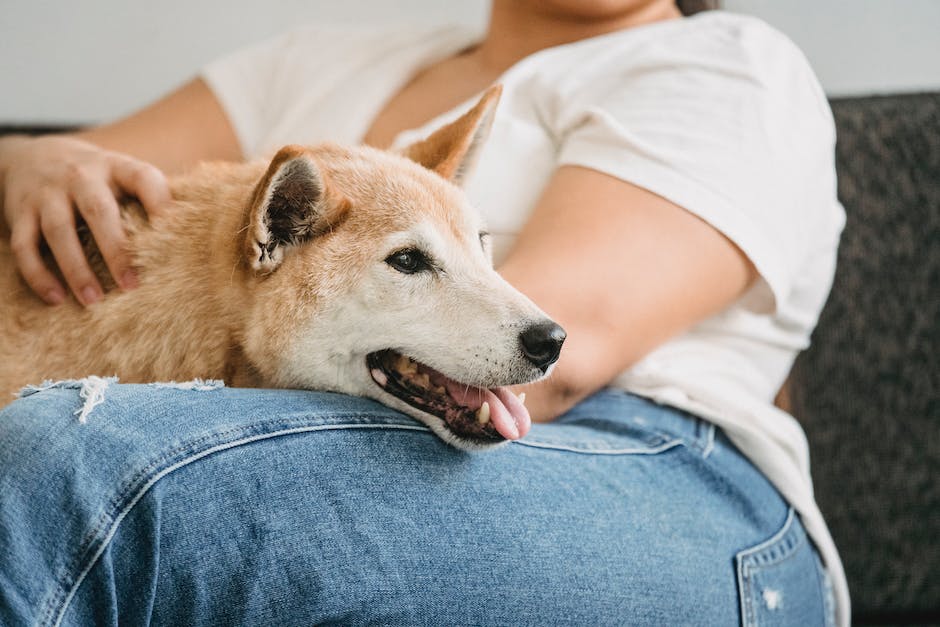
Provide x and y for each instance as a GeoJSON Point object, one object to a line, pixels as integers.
{"type": "Point", "coordinates": [482, 415]}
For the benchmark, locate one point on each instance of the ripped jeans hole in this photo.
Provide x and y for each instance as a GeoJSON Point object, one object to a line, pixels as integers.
{"type": "Point", "coordinates": [91, 389]}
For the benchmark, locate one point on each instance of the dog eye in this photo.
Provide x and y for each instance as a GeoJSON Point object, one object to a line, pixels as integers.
{"type": "Point", "coordinates": [408, 261]}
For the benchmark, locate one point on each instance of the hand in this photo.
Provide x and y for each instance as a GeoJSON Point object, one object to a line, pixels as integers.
{"type": "Point", "coordinates": [44, 182]}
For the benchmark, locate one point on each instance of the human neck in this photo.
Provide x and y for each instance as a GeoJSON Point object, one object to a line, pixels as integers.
{"type": "Point", "coordinates": [519, 28]}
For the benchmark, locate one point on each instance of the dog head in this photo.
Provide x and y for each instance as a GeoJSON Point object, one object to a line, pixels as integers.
{"type": "Point", "coordinates": [372, 275]}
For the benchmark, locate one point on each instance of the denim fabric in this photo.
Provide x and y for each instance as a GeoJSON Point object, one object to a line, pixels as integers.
{"type": "Point", "coordinates": [271, 507]}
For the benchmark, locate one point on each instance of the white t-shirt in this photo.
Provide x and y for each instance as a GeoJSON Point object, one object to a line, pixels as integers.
{"type": "Point", "coordinates": [718, 113]}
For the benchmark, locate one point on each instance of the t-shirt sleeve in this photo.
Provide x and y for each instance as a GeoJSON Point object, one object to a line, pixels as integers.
{"type": "Point", "coordinates": [732, 127]}
{"type": "Point", "coordinates": [244, 82]}
{"type": "Point", "coordinates": [261, 86]}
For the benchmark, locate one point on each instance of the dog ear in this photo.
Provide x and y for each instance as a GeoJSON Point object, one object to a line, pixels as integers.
{"type": "Point", "coordinates": [452, 149]}
{"type": "Point", "coordinates": [291, 204]}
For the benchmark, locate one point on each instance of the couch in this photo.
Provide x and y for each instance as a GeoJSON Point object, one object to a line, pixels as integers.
{"type": "Point", "coordinates": [868, 389]}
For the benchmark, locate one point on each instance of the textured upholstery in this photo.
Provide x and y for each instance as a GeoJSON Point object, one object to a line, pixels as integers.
{"type": "Point", "coordinates": [867, 389]}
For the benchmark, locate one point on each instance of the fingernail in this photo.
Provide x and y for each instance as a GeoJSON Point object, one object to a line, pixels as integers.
{"type": "Point", "coordinates": [90, 295]}
{"type": "Point", "coordinates": [55, 297]}
{"type": "Point", "coordinates": [129, 280]}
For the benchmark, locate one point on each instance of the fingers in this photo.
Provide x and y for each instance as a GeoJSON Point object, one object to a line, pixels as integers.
{"type": "Point", "coordinates": [24, 242]}
{"type": "Point", "coordinates": [97, 204]}
{"type": "Point", "coordinates": [57, 222]}
{"type": "Point", "coordinates": [95, 201]}
{"type": "Point", "coordinates": [142, 180]}
{"type": "Point", "coordinates": [45, 182]}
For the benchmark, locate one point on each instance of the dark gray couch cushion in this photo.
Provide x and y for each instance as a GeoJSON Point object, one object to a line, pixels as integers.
{"type": "Point", "coordinates": [867, 390]}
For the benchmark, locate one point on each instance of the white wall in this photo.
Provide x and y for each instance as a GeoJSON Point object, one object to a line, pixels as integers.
{"type": "Point", "coordinates": [88, 60]}
{"type": "Point", "coordinates": [67, 61]}
{"type": "Point", "coordinates": [860, 46]}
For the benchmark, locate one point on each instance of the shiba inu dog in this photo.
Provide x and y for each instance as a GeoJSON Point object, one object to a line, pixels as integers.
{"type": "Point", "coordinates": [344, 269]}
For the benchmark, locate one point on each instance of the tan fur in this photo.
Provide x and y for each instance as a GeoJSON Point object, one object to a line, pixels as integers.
{"type": "Point", "coordinates": [197, 294]}
{"type": "Point", "coordinates": [214, 302]}
{"type": "Point", "coordinates": [451, 150]}
{"type": "Point", "coordinates": [179, 324]}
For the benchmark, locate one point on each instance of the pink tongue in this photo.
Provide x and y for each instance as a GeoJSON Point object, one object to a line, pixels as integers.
{"type": "Point", "coordinates": [509, 416]}
{"type": "Point", "coordinates": [516, 409]}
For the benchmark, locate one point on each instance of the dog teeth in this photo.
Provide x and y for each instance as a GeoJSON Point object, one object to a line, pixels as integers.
{"type": "Point", "coordinates": [406, 365]}
{"type": "Point", "coordinates": [483, 414]}
{"type": "Point", "coordinates": [522, 397]}
{"type": "Point", "coordinates": [379, 377]}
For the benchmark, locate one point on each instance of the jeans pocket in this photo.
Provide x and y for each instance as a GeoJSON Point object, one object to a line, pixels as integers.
{"type": "Point", "coordinates": [782, 582]}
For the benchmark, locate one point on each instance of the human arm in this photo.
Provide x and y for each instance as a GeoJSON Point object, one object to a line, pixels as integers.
{"type": "Point", "coordinates": [45, 180]}
{"type": "Point", "coordinates": [748, 152]}
{"type": "Point", "coordinates": [622, 270]}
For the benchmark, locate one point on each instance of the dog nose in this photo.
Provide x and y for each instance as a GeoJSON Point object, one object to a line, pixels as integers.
{"type": "Point", "coordinates": [542, 342]}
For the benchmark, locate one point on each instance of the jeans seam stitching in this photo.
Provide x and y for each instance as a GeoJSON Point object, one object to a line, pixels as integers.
{"type": "Point", "coordinates": [748, 566]}
{"type": "Point", "coordinates": [790, 553]}
{"type": "Point", "coordinates": [751, 568]}
{"type": "Point", "coordinates": [131, 484]}
{"type": "Point", "coordinates": [772, 540]}
{"type": "Point", "coordinates": [119, 507]}
{"type": "Point", "coordinates": [825, 586]}
{"type": "Point", "coordinates": [665, 446]}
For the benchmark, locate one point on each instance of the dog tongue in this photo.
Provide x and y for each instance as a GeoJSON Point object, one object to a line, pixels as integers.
{"type": "Point", "coordinates": [515, 409]}
{"type": "Point", "coordinates": [509, 416]}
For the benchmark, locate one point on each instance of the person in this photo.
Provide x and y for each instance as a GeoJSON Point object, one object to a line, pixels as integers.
{"type": "Point", "coordinates": [662, 185]}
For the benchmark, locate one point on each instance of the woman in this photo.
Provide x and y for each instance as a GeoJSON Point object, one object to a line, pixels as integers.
{"type": "Point", "coordinates": [661, 186]}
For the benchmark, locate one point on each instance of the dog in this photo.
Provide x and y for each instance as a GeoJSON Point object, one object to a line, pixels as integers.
{"type": "Point", "coordinates": [344, 269]}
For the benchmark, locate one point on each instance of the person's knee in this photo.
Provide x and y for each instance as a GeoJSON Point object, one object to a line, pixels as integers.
{"type": "Point", "coordinates": [31, 421]}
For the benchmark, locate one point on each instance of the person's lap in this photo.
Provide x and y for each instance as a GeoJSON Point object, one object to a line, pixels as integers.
{"type": "Point", "coordinates": [228, 506]}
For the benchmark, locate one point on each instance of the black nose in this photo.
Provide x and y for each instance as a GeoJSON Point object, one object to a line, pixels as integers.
{"type": "Point", "coordinates": [542, 342]}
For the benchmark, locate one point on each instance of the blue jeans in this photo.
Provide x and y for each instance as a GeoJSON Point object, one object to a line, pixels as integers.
{"type": "Point", "coordinates": [263, 507]}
